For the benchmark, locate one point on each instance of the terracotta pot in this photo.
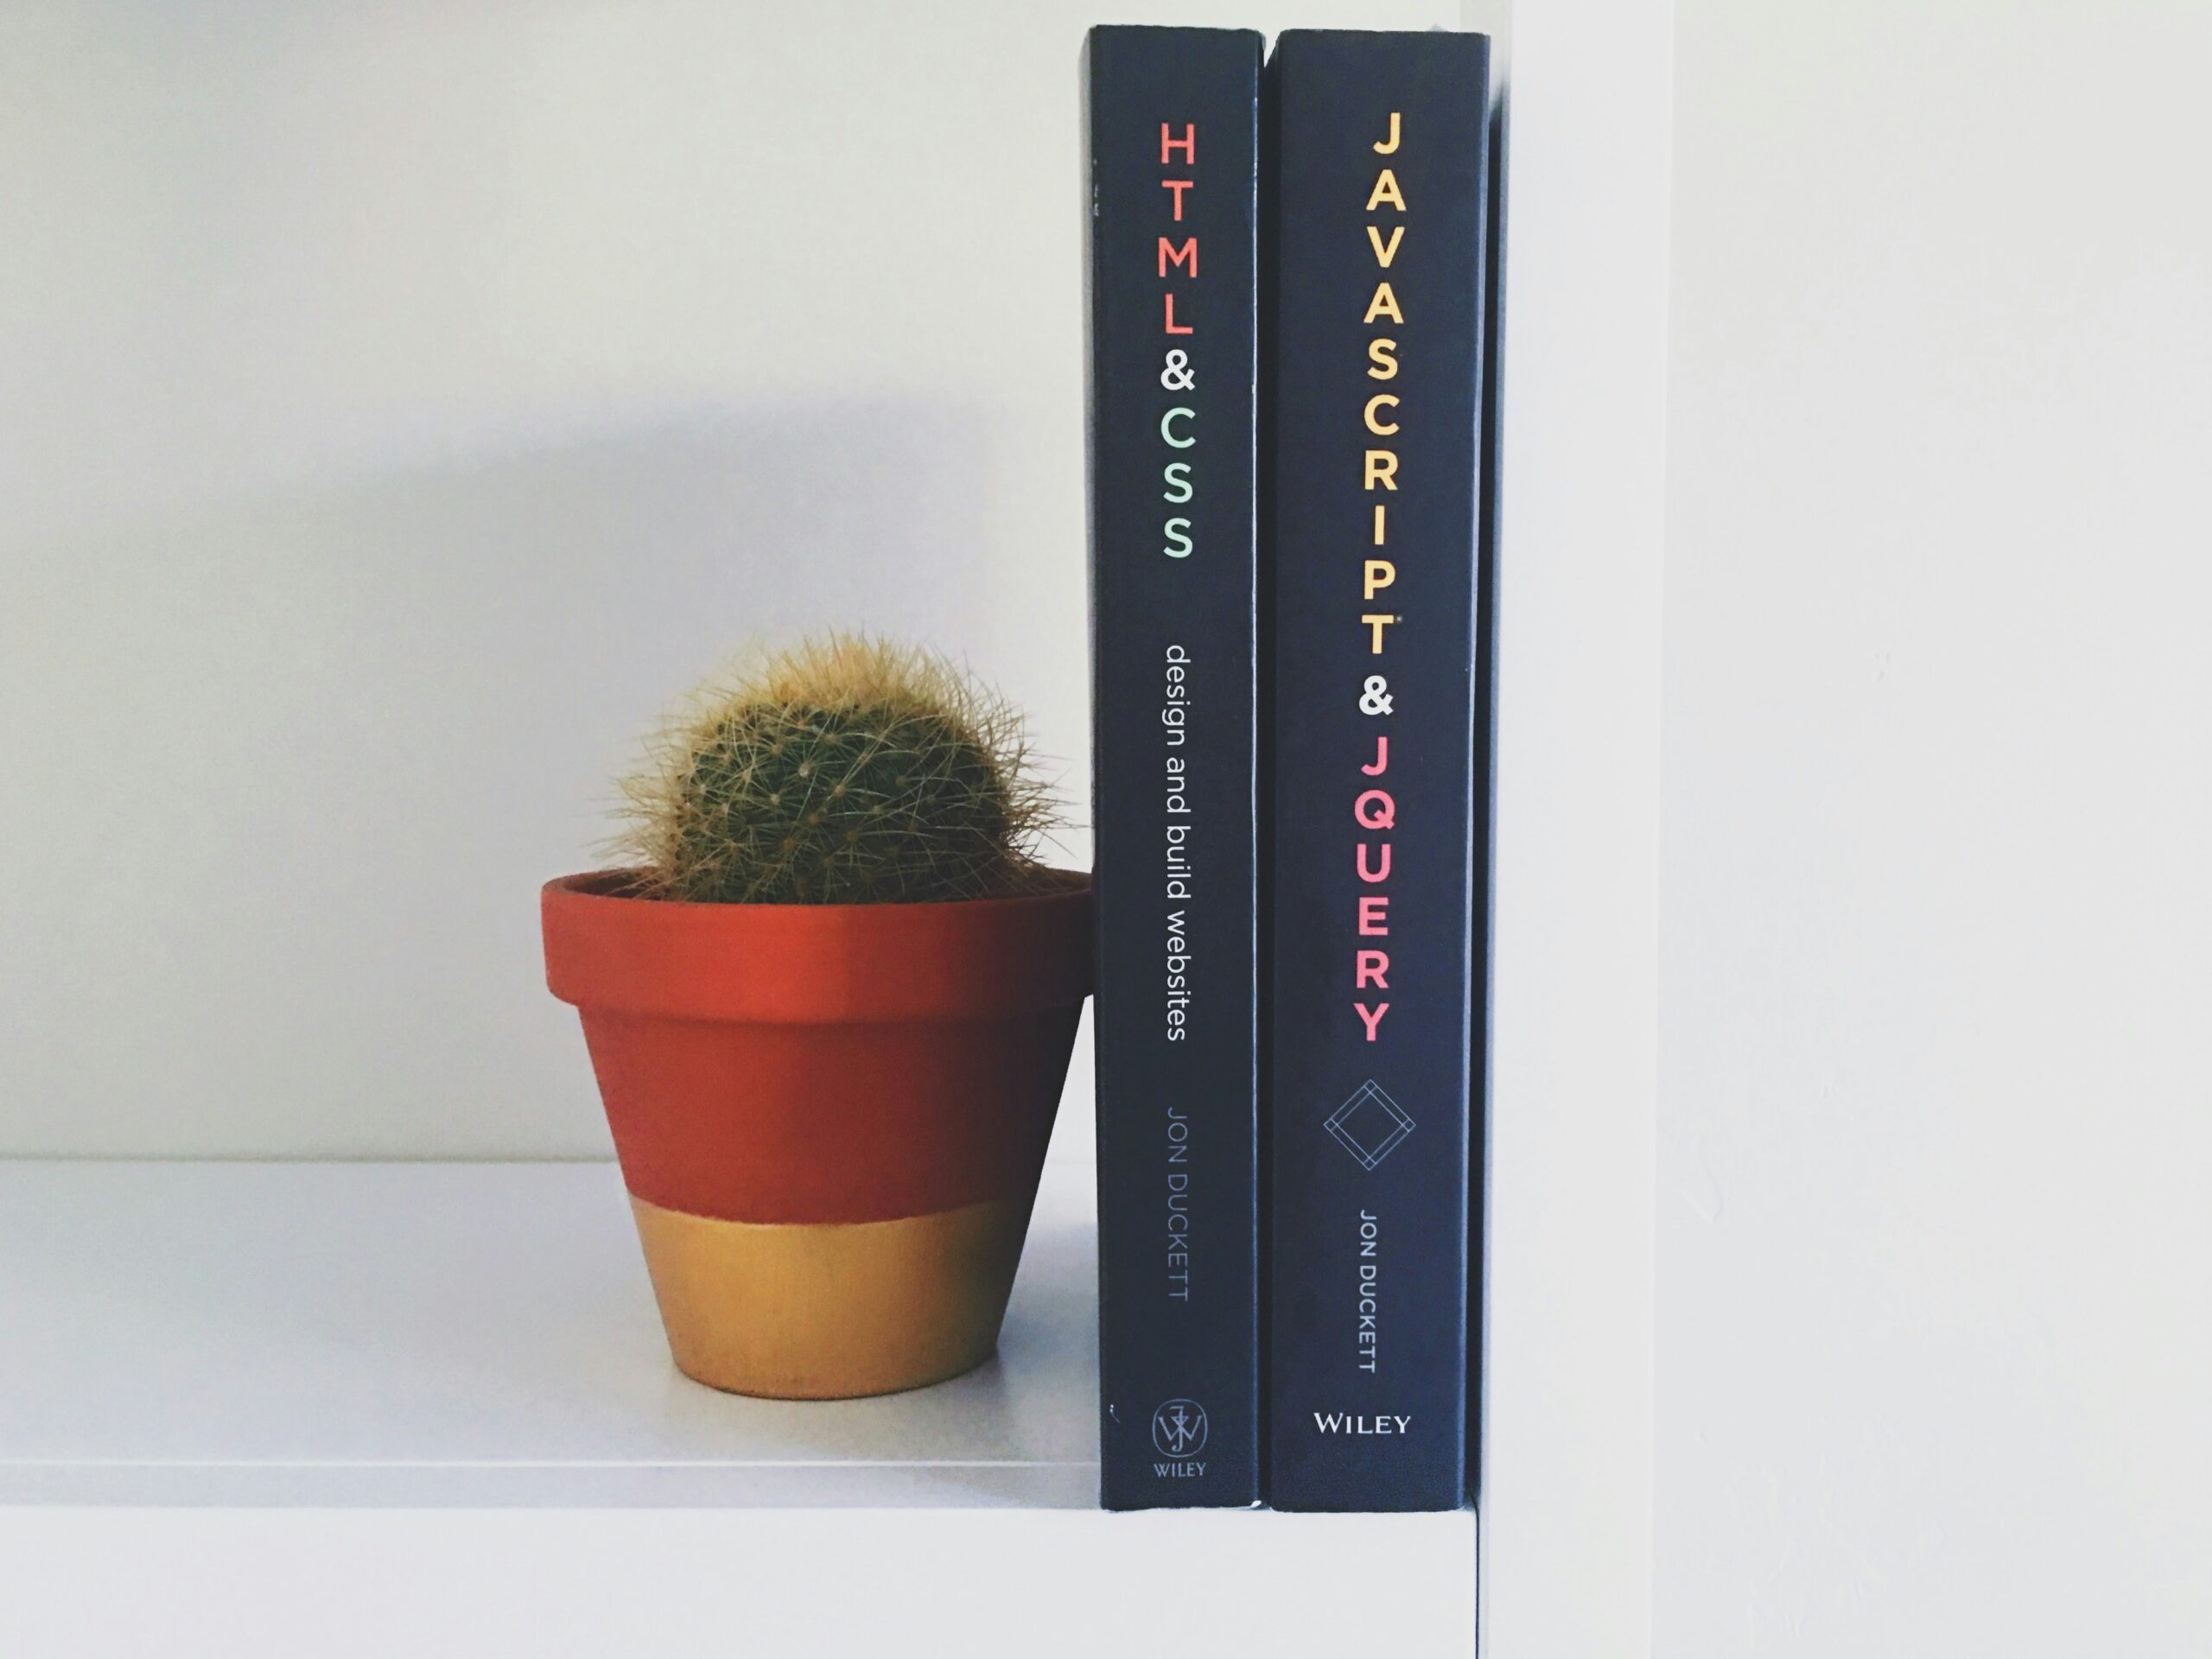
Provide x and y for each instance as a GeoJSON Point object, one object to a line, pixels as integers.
{"type": "Point", "coordinates": [831, 1118]}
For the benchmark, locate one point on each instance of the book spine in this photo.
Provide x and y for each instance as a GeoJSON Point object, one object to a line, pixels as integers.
{"type": "Point", "coordinates": [1173, 132]}
{"type": "Point", "coordinates": [1376, 248]}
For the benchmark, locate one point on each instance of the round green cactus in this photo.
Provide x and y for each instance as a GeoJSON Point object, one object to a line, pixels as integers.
{"type": "Point", "coordinates": [846, 772]}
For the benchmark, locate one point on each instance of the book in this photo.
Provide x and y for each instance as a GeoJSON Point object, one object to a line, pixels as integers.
{"type": "Point", "coordinates": [1172, 127]}
{"type": "Point", "coordinates": [1374, 250]}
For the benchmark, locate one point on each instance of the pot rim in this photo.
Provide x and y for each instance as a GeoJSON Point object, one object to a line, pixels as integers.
{"type": "Point", "coordinates": [610, 885]}
{"type": "Point", "coordinates": [609, 951]}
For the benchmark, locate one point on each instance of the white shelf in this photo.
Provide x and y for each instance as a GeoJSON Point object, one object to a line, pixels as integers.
{"type": "Point", "coordinates": [438, 1334]}
{"type": "Point", "coordinates": [337, 1376]}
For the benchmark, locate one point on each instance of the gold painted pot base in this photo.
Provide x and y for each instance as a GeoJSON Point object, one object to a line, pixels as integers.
{"type": "Point", "coordinates": [832, 1309]}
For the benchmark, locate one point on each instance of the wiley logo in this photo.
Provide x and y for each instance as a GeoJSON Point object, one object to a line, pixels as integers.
{"type": "Point", "coordinates": [1340, 1423]}
{"type": "Point", "coordinates": [1178, 1431]}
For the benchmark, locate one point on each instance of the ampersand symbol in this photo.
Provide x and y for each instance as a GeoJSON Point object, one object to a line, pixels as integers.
{"type": "Point", "coordinates": [1375, 696]}
{"type": "Point", "coordinates": [1178, 375]}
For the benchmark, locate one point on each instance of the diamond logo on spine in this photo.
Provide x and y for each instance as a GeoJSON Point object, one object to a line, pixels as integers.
{"type": "Point", "coordinates": [1369, 1125]}
{"type": "Point", "coordinates": [1179, 1429]}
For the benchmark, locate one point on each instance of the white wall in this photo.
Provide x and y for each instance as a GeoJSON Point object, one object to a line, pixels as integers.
{"type": "Point", "coordinates": [1935, 1273]}
{"type": "Point", "coordinates": [399, 404]}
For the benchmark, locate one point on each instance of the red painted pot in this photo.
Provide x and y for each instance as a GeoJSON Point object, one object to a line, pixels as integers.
{"type": "Point", "coordinates": [831, 1118]}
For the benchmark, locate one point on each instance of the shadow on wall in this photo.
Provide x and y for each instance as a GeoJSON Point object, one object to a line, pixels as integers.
{"type": "Point", "coordinates": [290, 771]}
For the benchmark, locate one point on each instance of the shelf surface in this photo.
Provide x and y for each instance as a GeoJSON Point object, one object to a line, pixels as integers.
{"type": "Point", "coordinates": [336, 1377]}
{"type": "Point", "coordinates": [466, 1334]}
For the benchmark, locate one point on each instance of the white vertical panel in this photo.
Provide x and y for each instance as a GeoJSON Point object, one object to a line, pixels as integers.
{"type": "Point", "coordinates": [1938, 934]}
{"type": "Point", "coordinates": [1566, 1496]}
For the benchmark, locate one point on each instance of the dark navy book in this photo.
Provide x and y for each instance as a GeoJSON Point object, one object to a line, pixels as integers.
{"type": "Point", "coordinates": [1172, 127]}
{"type": "Point", "coordinates": [1376, 250]}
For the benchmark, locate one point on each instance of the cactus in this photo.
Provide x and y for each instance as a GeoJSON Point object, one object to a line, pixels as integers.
{"type": "Point", "coordinates": [845, 771]}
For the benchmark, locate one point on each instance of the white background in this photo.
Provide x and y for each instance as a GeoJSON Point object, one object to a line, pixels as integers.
{"type": "Point", "coordinates": [1934, 1268]}
{"type": "Point", "coordinates": [399, 406]}
{"type": "Point", "coordinates": [396, 410]}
